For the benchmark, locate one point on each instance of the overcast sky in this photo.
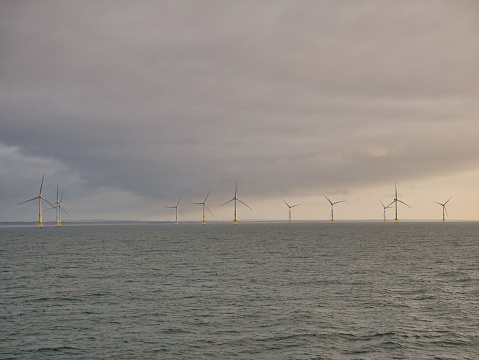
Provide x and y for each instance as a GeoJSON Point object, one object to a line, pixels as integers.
{"type": "Point", "coordinates": [128, 105]}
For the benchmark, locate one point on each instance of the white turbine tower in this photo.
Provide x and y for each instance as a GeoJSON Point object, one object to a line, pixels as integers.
{"type": "Point", "coordinates": [204, 206]}
{"type": "Point", "coordinates": [40, 198]}
{"type": "Point", "coordinates": [235, 198]}
{"type": "Point", "coordinates": [177, 209]}
{"type": "Point", "coordinates": [58, 205]}
{"type": "Point", "coordinates": [444, 211]}
{"type": "Point", "coordinates": [395, 202]}
{"type": "Point", "coordinates": [385, 207]}
{"type": "Point", "coordinates": [290, 206]}
{"type": "Point", "coordinates": [332, 205]}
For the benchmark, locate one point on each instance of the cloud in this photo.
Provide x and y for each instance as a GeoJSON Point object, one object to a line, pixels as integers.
{"type": "Point", "coordinates": [151, 100]}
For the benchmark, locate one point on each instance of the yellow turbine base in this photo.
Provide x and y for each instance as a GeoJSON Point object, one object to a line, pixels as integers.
{"type": "Point", "coordinates": [204, 222]}
{"type": "Point", "coordinates": [58, 223]}
{"type": "Point", "coordinates": [290, 221]}
{"type": "Point", "coordinates": [39, 224]}
{"type": "Point", "coordinates": [332, 221]}
{"type": "Point", "coordinates": [235, 222]}
{"type": "Point", "coordinates": [176, 222]}
{"type": "Point", "coordinates": [396, 220]}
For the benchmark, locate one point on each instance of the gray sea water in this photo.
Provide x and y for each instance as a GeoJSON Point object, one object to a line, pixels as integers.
{"type": "Point", "coordinates": [252, 291]}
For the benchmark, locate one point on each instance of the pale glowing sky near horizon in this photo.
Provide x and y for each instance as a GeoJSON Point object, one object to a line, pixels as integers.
{"type": "Point", "coordinates": [130, 105]}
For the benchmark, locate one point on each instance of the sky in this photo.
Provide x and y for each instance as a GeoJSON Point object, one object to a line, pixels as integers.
{"type": "Point", "coordinates": [129, 106]}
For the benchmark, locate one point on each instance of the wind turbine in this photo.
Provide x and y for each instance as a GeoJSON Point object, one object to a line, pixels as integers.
{"type": "Point", "coordinates": [177, 209]}
{"type": "Point", "coordinates": [444, 211]}
{"type": "Point", "coordinates": [59, 205]}
{"type": "Point", "coordinates": [204, 206]}
{"type": "Point", "coordinates": [385, 207]}
{"type": "Point", "coordinates": [395, 202]}
{"type": "Point", "coordinates": [235, 198]}
{"type": "Point", "coordinates": [332, 204]}
{"type": "Point", "coordinates": [290, 206]}
{"type": "Point", "coordinates": [40, 198]}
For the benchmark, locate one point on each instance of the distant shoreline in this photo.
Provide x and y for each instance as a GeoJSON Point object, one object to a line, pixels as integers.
{"type": "Point", "coordinates": [126, 222]}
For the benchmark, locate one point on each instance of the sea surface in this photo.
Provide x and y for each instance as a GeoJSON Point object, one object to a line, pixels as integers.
{"type": "Point", "coordinates": [251, 291]}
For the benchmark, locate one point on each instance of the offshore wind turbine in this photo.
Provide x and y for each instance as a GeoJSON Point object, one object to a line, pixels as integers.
{"type": "Point", "coordinates": [395, 202]}
{"type": "Point", "coordinates": [177, 209]}
{"type": "Point", "coordinates": [40, 198]}
{"type": "Point", "coordinates": [332, 205]}
{"type": "Point", "coordinates": [290, 206]}
{"type": "Point", "coordinates": [385, 207]}
{"type": "Point", "coordinates": [444, 211]}
{"type": "Point", "coordinates": [204, 206]}
{"type": "Point", "coordinates": [235, 198]}
{"type": "Point", "coordinates": [59, 206]}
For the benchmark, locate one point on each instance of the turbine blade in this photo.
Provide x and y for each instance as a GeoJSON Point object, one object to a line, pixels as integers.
{"type": "Point", "coordinates": [402, 202]}
{"type": "Point", "coordinates": [62, 205]}
{"type": "Point", "coordinates": [286, 203]}
{"type": "Point", "coordinates": [295, 205]}
{"type": "Point", "coordinates": [179, 200]}
{"type": "Point", "coordinates": [244, 204]}
{"type": "Point", "coordinates": [23, 202]}
{"type": "Point", "coordinates": [445, 209]}
{"type": "Point", "coordinates": [337, 202]}
{"type": "Point", "coordinates": [207, 196]}
{"type": "Point", "coordinates": [227, 202]}
{"type": "Point", "coordinates": [328, 199]}
{"type": "Point", "coordinates": [181, 212]}
{"type": "Point", "coordinates": [206, 206]}
{"type": "Point", "coordinates": [391, 203]}
{"type": "Point", "coordinates": [41, 186]}
{"type": "Point", "coordinates": [236, 188]}
{"type": "Point", "coordinates": [382, 204]}
{"type": "Point", "coordinates": [448, 200]}
{"type": "Point", "coordinates": [66, 212]}
{"type": "Point", "coordinates": [61, 196]}
{"type": "Point", "coordinates": [41, 197]}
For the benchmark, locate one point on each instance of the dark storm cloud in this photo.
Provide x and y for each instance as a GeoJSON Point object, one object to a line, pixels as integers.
{"type": "Point", "coordinates": [158, 98]}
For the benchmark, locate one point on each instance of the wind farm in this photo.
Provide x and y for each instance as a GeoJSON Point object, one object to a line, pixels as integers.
{"type": "Point", "coordinates": [235, 199]}
{"type": "Point", "coordinates": [444, 211]}
{"type": "Point", "coordinates": [59, 206]}
{"type": "Point", "coordinates": [332, 206]}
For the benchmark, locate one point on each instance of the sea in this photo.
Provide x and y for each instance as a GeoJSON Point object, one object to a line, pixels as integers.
{"type": "Point", "coordinates": [348, 290]}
